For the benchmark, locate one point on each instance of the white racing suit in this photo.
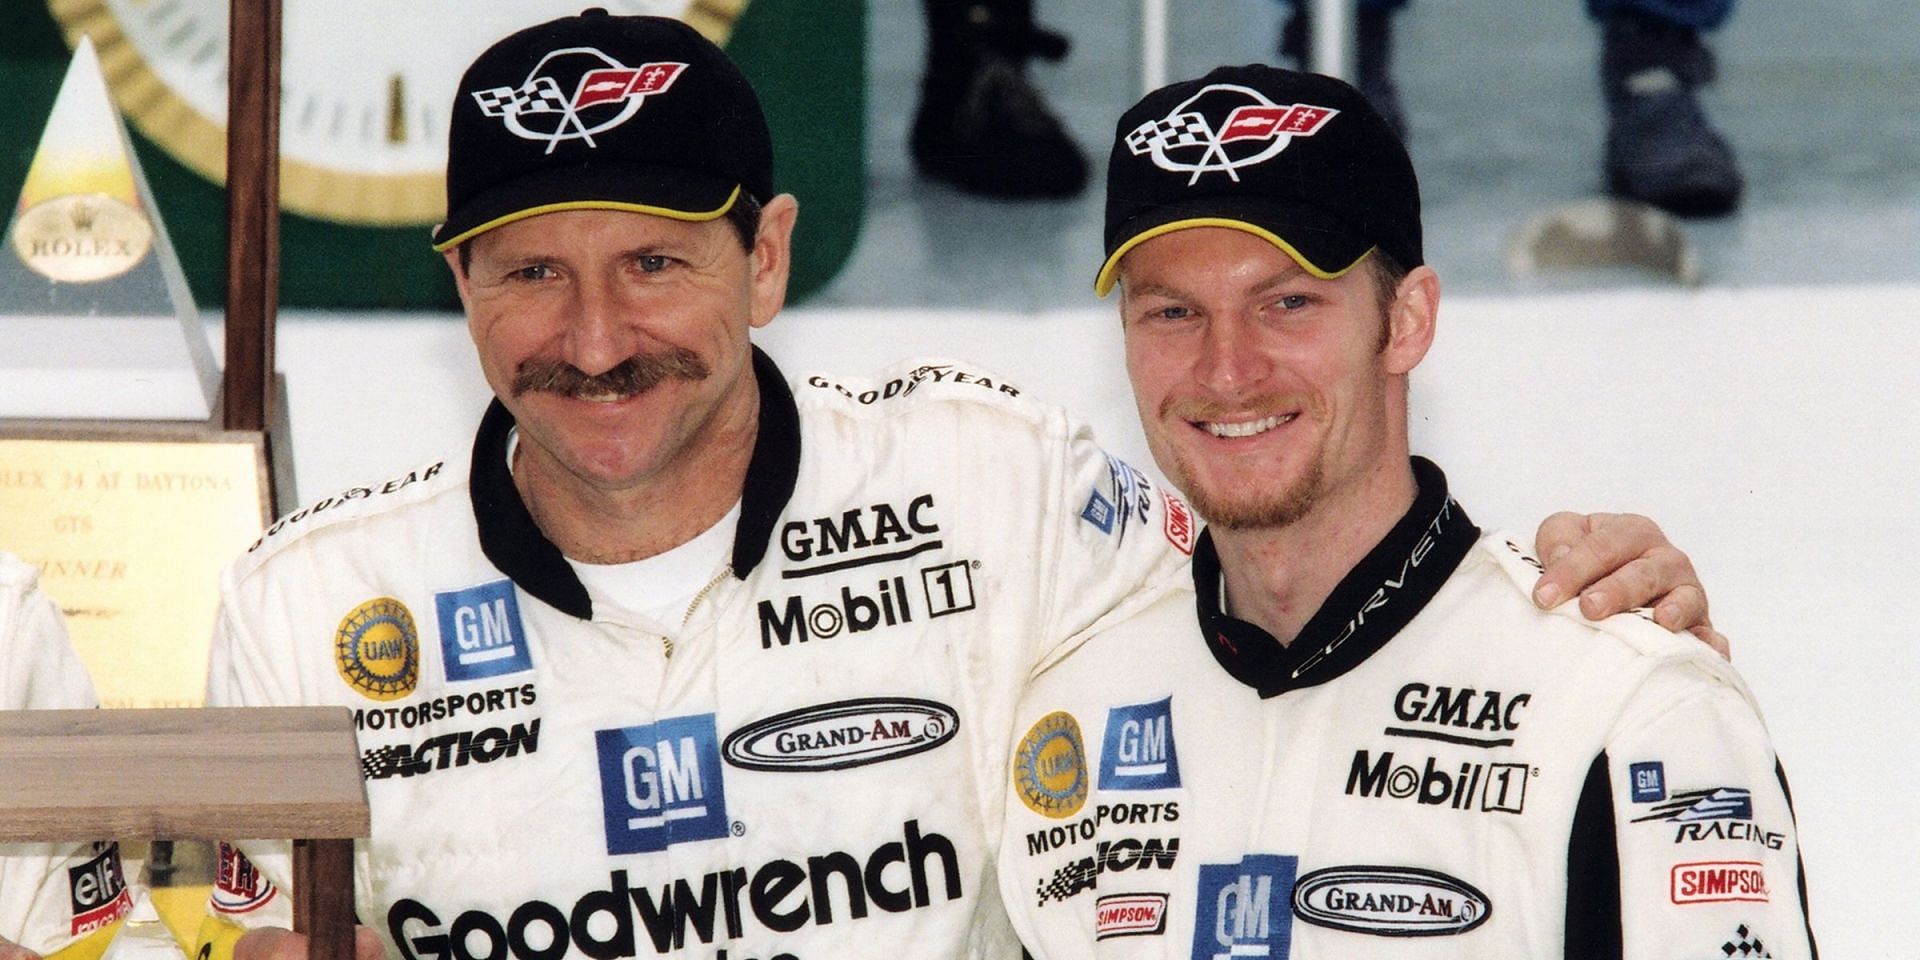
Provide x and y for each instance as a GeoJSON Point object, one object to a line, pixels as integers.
{"type": "Point", "coordinates": [809, 769]}
{"type": "Point", "coordinates": [1433, 768]}
{"type": "Point", "coordinates": [53, 896]}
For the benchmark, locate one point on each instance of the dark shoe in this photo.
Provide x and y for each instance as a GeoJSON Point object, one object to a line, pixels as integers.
{"type": "Point", "coordinates": [1373, 59]}
{"type": "Point", "coordinates": [981, 125]}
{"type": "Point", "coordinates": [1660, 147]}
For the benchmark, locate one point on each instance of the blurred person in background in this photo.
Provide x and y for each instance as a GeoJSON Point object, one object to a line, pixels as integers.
{"type": "Point", "coordinates": [1661, 148]}
{"type": "Point", "coordinates": [981, 125]}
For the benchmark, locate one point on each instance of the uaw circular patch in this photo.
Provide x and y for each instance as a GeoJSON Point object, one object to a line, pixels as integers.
{"type": "Point", "coordinates": [1050, 768]}
{"type": "Point", "coordinates": [377, 649]}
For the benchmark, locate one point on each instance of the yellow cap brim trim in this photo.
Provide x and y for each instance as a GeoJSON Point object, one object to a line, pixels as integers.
{"type": "Point", "coordinates": [699, 216]}
{"type": "Point", "coordinates": [1103, 283]}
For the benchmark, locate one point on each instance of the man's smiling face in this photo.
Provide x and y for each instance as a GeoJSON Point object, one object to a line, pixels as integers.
{"type": "Point", "coordinates": [1261, 388]}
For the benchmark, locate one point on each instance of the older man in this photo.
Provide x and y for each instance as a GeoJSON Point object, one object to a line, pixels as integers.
{"type": "Point", "coordinates": [682, 660]}
{"type": "Point", "coordinates": [1351, 732]}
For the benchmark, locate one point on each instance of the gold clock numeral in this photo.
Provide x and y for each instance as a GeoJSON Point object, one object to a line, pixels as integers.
{"type": "Point", "coordinates": [397, 109]}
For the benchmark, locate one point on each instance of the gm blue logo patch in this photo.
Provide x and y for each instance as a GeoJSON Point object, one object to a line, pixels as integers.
{"type": "Point", "coordinates": [1649, 781]}
{"type": "Point", "coordinates": [1099, 512]}
{"type": "Point", "coordinates": [1138, 753]}
{"type": "Point", "coordinates": [660, 784]}
{"type": "Point", "coordinates": [480, 632]}
{"type": "Point", "coordinates": [1245, 909]}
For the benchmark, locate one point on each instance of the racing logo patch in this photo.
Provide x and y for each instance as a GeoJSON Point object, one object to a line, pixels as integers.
{"type": "Point", "coordinates": [98, 890]}
{"type": "Point", "coordinates": [1050, 767]}
{"type": "Point", "coordinates": [1716, 803]}
{"type": "Point", "coordinates": [238, 886]}
{"type": "Point", "coordinates": [377, 649]}
{"type": "Point", "coordinates": [1223, 127]}
{"type": "Point", "coordinates": [1138, 753]}
{"type": "Point", "coordinates": [605, 94]}
{"type": "Point", "coordinates": [480, 632]}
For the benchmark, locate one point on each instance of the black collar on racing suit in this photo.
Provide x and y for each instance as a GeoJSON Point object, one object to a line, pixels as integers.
{"type": "Point", "coordinates": [1377, 598]}
{"type": "Point", "coordinates": [516, 545]}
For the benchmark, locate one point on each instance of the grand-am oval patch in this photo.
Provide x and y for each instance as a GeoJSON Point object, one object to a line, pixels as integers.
{"type": "Point", "coordinates": [377, 649]}
{"type": "Point", "coordinates": [1050, 767]}
{"type": "Point", "coordinates": [1390, 901]}
{"type": "Point", "coordinates": [846, 733]}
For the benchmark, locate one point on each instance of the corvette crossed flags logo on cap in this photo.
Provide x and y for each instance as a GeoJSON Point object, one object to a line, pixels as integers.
{"type": "Point", "coordinates": [1169, 139]}
{"type": "Point", "coordinates": [540, 96]}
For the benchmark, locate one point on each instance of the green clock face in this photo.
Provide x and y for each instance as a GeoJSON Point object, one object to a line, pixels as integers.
{"type": "Point", "coordinates": [365, 86]}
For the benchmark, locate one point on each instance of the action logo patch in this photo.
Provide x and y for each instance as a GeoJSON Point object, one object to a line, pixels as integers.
{"type": "Point", "coordinates": [1050, 767]}
{"type": "Point", "coordinates": [480, 632]}
{"type": "Point", "coordinates": [1222, 128]}
{"type": "Point", "coordinates": [377, 649]}
{"type": "Point", "coordinates": [1138, 753]}
{"type": "Point", "coordinates": [606, 93]}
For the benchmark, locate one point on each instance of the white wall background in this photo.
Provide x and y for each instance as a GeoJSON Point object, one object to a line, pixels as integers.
{"type": "Point", "coordinates": [1772, 432]}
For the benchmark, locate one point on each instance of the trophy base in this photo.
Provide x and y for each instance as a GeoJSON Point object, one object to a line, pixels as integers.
{"type": "Point", "coordinates": [101, 368]}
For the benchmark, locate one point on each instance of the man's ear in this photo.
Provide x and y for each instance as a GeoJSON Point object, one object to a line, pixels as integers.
{"type": "Point", "coordinates": [460, 280]}
{"type": "Point", "coordinates": [1411, 319]}
{"type": "Point", "coordinates": [772, 257]}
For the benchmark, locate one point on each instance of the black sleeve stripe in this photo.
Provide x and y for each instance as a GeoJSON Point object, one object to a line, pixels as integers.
{"type": "Point", "coordinates": [1593, 872]}
{"type": "Point", "coordinates": [1799, 862]}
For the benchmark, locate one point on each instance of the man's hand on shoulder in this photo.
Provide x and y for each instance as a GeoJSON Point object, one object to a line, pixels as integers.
{"type": "Point", "coordinates": [1615, 562]}
{"type": "Point", "coordinates": [278, 943]}
{"type": "Point", "coordinates": [13, 951]}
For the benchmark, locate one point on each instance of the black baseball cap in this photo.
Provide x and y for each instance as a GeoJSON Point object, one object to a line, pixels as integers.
{"type": "Point", "coordinates": [1299, 159]}
{"type": "Point", "coordinates": [606, 113]}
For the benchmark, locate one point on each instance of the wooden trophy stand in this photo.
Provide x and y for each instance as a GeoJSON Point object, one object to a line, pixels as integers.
{"type": "Point", "coordinates": [204, 774]}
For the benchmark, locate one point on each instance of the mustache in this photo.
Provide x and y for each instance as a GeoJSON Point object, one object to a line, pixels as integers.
{"type": "Point", "coordinates": [635, 375]}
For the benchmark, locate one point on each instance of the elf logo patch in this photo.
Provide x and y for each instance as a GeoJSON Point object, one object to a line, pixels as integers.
{"type": "Point", "coordinates": [99, 891]}
{"type": "Point", "coordinates": [1222, 128]}
{"type": "Point", "coordinates": [605, 94]}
